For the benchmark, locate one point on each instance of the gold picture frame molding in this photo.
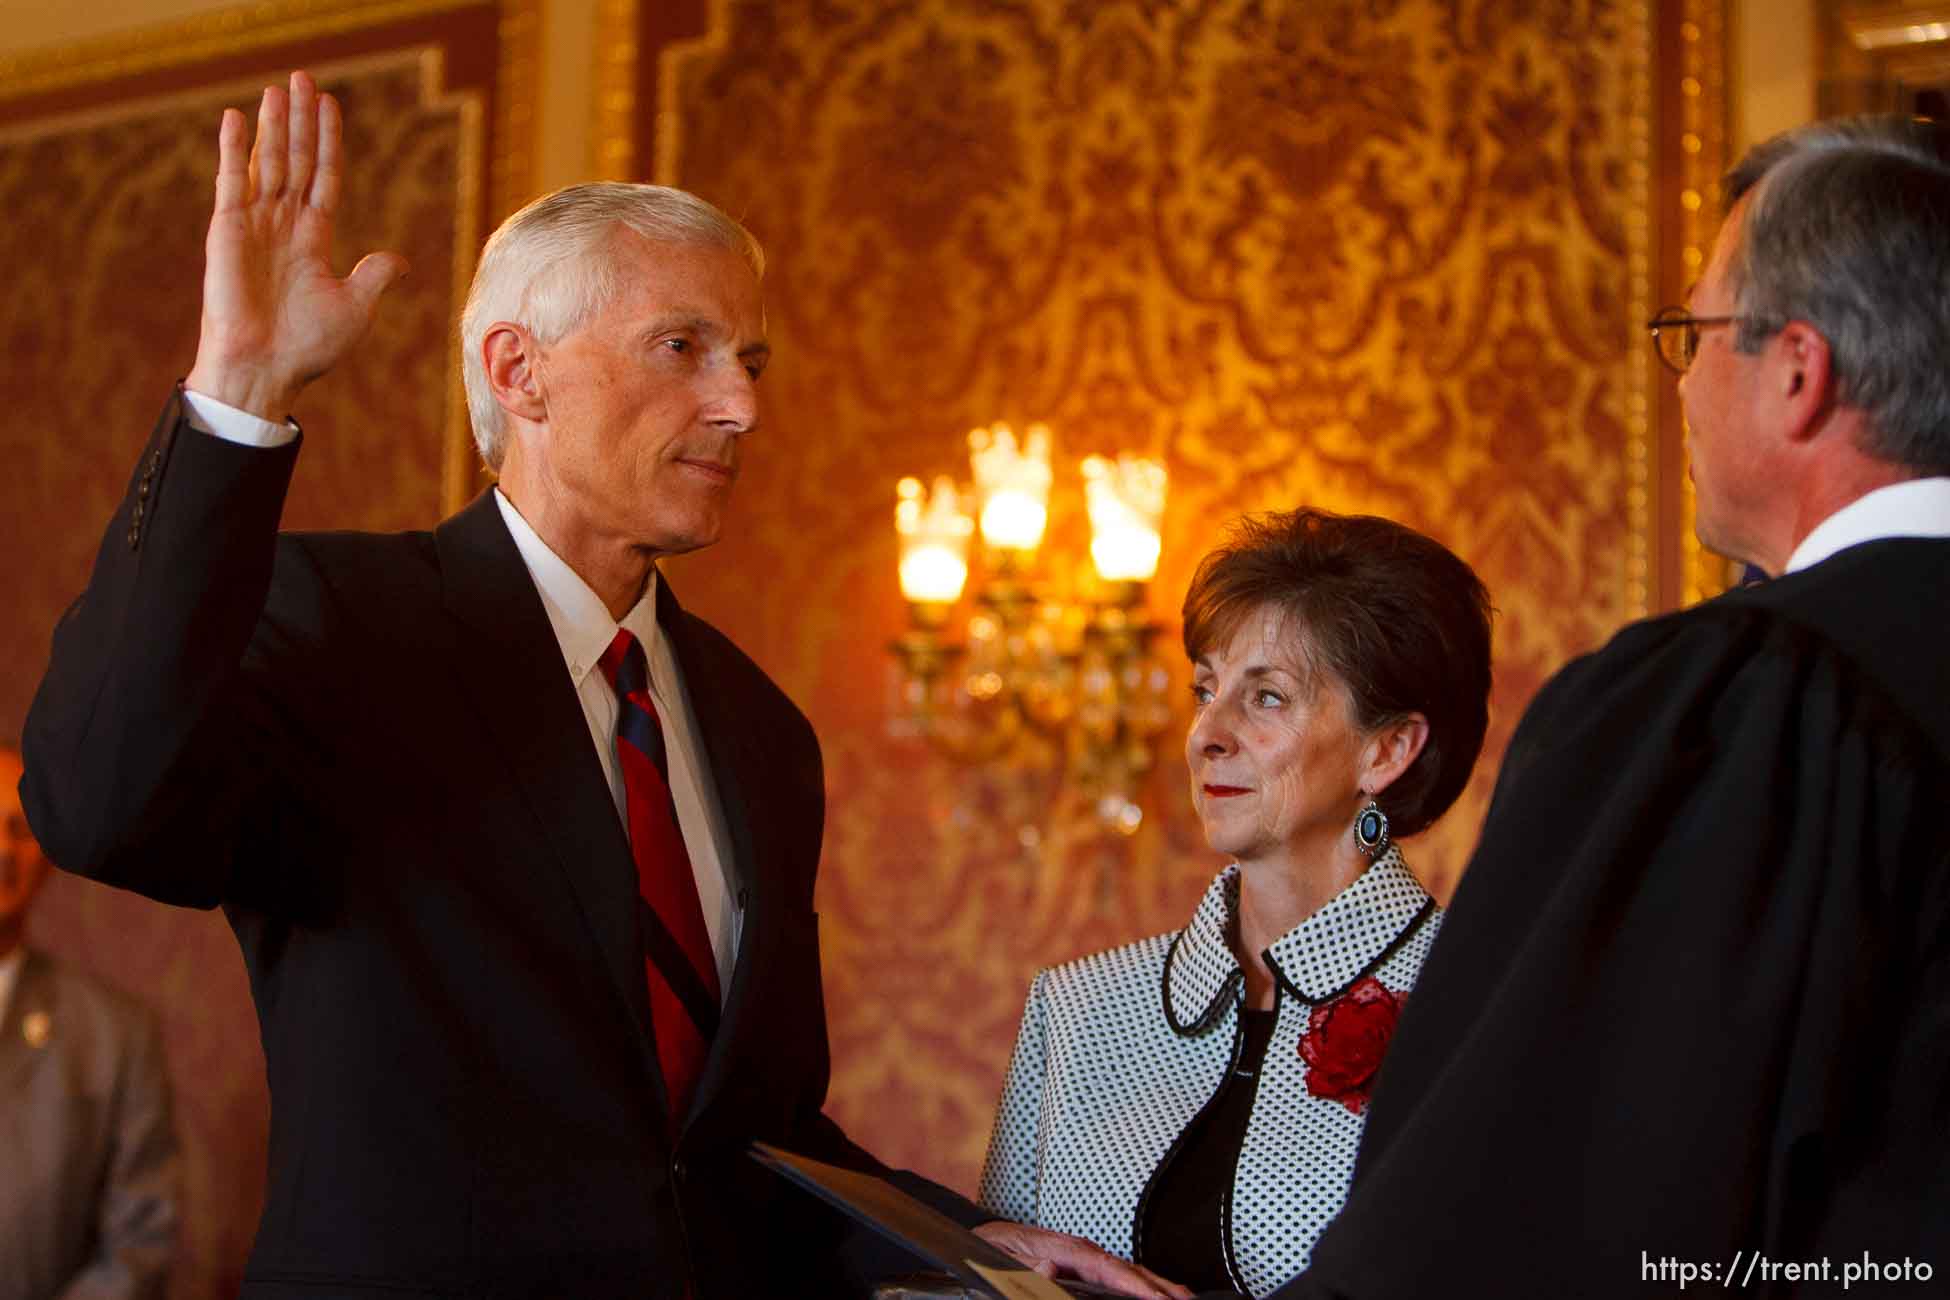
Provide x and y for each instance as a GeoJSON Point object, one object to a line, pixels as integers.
{"type": "Point", "coordinates": [204, 38]}
{"type": "Point", "coordinates": [267, 24]}
{"type": "Point", "coordinates": [612, 144]}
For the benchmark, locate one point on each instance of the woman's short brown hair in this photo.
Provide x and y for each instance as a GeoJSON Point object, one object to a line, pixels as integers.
{"type": "Point", "coordinates": [1397, 619]}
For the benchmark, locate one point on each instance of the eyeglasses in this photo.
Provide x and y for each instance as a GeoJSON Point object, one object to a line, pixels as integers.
{"type": "Point", "coordinates": [1675, 334]}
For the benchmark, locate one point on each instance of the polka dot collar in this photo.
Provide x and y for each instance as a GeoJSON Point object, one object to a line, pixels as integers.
{"type": "Point", "coordinates": [1316, 960]}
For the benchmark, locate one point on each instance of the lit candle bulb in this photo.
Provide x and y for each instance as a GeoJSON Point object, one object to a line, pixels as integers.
{"type": "Point", "coordinates": [1126, 498]}
{"type": "Point", "coordinates": [934, 534]}
{"type": "Point", "coordinates": [1013, 485]}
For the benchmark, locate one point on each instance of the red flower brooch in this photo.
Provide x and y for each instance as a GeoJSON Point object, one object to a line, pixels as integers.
{"type": "Point", "coordinates": [1345, 1041]}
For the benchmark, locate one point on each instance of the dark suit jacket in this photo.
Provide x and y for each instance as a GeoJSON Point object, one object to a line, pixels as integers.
{"type": "Point", "coordinates": [88, 1197]}
{"type": "Point", "coordinates": [366, 749]}
{"type": "Point", "coordinates": [1690, 1009]}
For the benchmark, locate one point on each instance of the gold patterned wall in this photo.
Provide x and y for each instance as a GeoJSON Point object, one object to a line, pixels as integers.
{"type": "Point", "coordinates": [107, 162]}
{"type": "Point", "coordinates": [1376, 255]}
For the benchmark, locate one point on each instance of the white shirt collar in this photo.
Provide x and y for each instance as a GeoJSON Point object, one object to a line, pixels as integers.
{"type": "Point", "coordinates": [1916, 508]}
{"type": "Point", "coordinates": [581, 621]}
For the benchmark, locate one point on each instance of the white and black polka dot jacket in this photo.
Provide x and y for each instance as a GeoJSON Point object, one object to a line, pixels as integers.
{"type": "Point", "coordinates": [1118, 1053]}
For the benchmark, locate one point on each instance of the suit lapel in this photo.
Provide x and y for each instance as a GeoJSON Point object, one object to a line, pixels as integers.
{"type": "Point", "coordinates": [513, 669]}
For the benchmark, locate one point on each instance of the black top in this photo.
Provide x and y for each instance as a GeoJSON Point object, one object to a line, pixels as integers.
{"type": "Point", "coordinates": [1183, 1229]}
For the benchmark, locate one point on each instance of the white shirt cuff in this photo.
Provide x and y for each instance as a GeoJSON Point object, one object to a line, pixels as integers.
{"type": "Point", "coordinates": [232, 425]}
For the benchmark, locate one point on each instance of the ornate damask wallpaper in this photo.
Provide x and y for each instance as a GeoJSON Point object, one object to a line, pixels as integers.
{"type": "Point", "coordinates": [103, 261]}
{"type": "Point", "coordinates": [1374, 255]}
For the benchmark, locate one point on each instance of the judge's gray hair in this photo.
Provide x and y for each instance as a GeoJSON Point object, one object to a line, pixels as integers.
{"type": "Point", "coordinates": [549, 268]}
{"type": "Point", "coordinates": [1847, 227]}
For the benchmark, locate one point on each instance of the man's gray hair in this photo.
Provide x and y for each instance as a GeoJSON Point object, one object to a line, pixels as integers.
{"type": "Point", "coordinates": [550, 268]}
{"type": "Point", "coordinates": [1847, 227]}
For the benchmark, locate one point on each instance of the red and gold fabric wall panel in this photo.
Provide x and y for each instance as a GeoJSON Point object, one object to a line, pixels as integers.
{"type": "Point", "coordinates": [1390, 256]}
{"type": "Point", "coordinates": [107, 162]}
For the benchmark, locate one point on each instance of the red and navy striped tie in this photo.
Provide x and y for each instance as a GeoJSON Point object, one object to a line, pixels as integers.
{"type": "Point", "coordinates": [677, 958]}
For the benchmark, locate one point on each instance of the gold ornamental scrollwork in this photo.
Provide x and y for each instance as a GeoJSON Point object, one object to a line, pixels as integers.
{"type": "Point", "coordinates": [1641, 440]}
{"type": "Point", "coordinates": [517, 94]}
{"type": "Point", "coordinates": [613, 145]}
{"type": "Point", "coordinates": [1698, 88]}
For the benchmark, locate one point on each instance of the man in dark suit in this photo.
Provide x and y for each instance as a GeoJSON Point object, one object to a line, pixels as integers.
{"type": "Point", "coordinates": [88, 1199]}
{"type": "Point", "coordinates": [1688, 1023]}
{"type": "Point", "coordinates": [520, 855]}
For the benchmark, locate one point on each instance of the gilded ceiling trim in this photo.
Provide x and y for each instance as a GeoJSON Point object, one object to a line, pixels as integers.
{"type": "Point", "coordinates": [200, 37]}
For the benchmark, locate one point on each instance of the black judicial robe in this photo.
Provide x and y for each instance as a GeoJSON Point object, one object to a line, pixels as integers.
{"type": "Point", "coordinates": [1691, 1004]}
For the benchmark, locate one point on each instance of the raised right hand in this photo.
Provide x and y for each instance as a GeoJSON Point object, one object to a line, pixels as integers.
{"type": "Point", "coordinates": [274, 316]}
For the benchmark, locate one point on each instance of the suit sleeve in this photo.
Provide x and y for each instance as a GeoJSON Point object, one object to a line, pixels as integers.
{"type": "Point", "coordinates": [143, 743]}
{"type": "Point", "coordinates": [1009, 1173]}
{"type": "Point", "coordinates": [137, 1213]}
{"type": "Point", "coordinates": [1688, 1000]}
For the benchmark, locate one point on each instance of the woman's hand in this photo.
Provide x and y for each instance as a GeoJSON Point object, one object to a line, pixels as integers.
{"type": "Point", "coordinates": [1057, 1254]}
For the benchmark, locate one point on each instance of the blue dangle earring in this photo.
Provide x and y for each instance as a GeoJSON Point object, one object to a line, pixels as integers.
{"type": "Point", "coordinates": [1371, 830]}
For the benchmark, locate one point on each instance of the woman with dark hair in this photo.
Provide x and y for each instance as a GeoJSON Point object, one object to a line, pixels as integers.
{"type": "Point", "coordinates": [1193, 1101]}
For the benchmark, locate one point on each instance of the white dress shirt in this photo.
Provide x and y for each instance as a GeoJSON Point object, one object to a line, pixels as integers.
{"type": "Point", "coordinates": [583, 630]}
{"type": "Point", "coordinates": [1919, 507]}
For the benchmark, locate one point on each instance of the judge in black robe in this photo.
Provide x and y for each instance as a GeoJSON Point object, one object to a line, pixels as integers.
{"type": "Point", "coordinates": [1693, 998]}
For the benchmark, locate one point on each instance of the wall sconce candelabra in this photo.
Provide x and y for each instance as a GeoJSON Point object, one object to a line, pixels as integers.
{"type": "Point", "coordinates": [1039, 677]}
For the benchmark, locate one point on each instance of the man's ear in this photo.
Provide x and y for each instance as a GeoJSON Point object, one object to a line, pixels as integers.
{"type": "Point", "coordinates": [1803, 378]}
{"type": "Point", "coordinates": [510, 354]}
{"type": "Point", "coordinates": [1390, 750]}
